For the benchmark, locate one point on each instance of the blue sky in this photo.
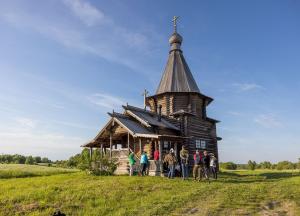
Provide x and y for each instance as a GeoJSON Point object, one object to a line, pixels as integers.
{"type": "Point", "coordinates": [64, 64]}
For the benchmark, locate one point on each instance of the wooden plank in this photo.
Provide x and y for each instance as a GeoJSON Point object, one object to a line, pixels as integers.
{"type": "Point", "coordinates": [110, 146]}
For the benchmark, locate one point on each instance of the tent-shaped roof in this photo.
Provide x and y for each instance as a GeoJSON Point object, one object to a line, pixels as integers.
{"type": "Point", "coordinates": [177, 76]}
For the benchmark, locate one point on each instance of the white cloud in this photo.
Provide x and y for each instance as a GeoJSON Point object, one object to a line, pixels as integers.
{"type": "Point", "coordinates": [113, 43]}
{"type": "Point", "coordinates": [247, 86]}
{"type": "Point", "coordinates": [267, 121]}
{"type": "Point", "coordinates": [26, 122]}
{"type": "Point", "coordinates": [105, 100]}
{"type": "Point", "coordinates": [87, 13]}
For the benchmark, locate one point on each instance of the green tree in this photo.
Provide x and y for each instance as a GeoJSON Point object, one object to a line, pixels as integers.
{"type": "Point", "coordinates": [45, 160]}
{"type": "Point", "coordinates": [265, 165]}
{"type": "Point", "coordinates": [18, 159]}
{"type": "Point", "coordinates": [37, 159]}
{"type": "Point", "coordinates": [29, 160]}
{"type": "Point", "coordinates": [252, 165]}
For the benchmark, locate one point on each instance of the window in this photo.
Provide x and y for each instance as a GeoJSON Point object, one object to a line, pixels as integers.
{"type": "Point", "coordinates": [200, 144]}
{"type": "Point", "coordinates": [203, 144]}
{"type": "Point", "coordinates": [166, 144]}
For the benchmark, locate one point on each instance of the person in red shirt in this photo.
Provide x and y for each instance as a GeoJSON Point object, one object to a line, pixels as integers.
{"type": "Point", "coordinates": [156, 159]}
{"type": "Point", "coordinates": [156, 155]}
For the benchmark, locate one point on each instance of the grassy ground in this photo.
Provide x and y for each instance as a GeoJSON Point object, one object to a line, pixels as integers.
{"type": "Point", "coordinates": [22, 170]}
{"type": "Point", "coordinates": [235, 193]}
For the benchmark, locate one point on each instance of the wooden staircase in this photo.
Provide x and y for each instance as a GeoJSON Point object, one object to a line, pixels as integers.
{"type": "Point", "coordinates": [122, 159]}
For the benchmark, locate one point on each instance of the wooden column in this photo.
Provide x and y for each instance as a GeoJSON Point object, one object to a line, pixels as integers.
{"type": "Point", "coordinates": [110, 145]}
{"type": "Point", "coordinates": [128, 140]}
{"type": "Point", "coordinates": [160, 143]}
{"type": "Point", "coordinates": [101, 149]}
{"type": "Point", "coordinates": [175, 149]}
{"type": "Point", "coordinates": [140, 143]}
{"type": "Point", "coordinates": [91, 156]}
{"type": "Point", "coordinates": [91, 153]}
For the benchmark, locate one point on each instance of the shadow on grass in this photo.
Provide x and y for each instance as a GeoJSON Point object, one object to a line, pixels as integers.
{"type": "Point", "coordinates": [231, 177]}
{"type": "Point", "coordinates": [279, 175]}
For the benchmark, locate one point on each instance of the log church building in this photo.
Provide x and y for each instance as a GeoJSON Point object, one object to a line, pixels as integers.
{"type": "Point", "coordinates": [173, 117]}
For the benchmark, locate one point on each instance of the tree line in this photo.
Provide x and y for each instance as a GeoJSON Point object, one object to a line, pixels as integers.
{"type": "Point", "coordinates": [21, 159]}
{"type": "Point", "coordinates": [252, 165]}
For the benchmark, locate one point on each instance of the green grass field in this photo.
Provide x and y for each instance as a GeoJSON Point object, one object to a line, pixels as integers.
{"type": "Point", "coordinates": [22, 170]}
{"type": "Point", "coordinates": [235, 193]}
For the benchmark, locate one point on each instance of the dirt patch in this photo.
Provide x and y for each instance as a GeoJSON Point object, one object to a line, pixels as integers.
{"type": "Point", "coordinates": [27, 207]}
{"type": "Point", "coordinates": [276, 208]}
{"type": "Point", "coordinates": [191, 211]}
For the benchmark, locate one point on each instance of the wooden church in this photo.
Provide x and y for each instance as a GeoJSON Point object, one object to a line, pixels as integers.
{"type": "Point", "coordinates": [174, 116]}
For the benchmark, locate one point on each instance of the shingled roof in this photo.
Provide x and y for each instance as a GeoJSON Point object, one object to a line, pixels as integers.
{"type": "Point", "coordinates": [148, 118]}
{"type": "Point", "coordinates": [177, 76]}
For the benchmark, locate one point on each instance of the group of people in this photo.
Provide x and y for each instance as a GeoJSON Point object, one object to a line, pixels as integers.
{"type": "Point", "coordinates": [143, 163]}
{"type": "Point", "coordinates": [205, 164]}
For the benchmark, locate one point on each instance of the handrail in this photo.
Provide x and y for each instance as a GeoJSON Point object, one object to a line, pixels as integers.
{"type": "Point", "coordinates": [134, 154]}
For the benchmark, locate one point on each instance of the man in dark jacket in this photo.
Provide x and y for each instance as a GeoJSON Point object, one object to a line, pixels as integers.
{"type": "Point", "coordinates": [206, 163]}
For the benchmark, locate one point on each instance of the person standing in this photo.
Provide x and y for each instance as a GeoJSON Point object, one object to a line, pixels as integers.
{"type": "Point", "coordinates": [196, 168]}
{"type": "Point", "coordinates": [213, 166]}
{"type": "Point", "coordinates": [131, 162]}
{"type": "Point", "coordinates": [206, 163]}
{"type": "Point", "coordinates": [156, 159]}
{"type": "Point", "coordinates": [184, 157]}
{"type": "Point", "coordinates": [144, 163]}
{"type": "Point", "coordinates": [170, 159]}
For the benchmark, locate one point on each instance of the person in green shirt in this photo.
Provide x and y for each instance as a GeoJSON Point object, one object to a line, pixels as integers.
{"type": "Point", "coordinates": [131, 162]}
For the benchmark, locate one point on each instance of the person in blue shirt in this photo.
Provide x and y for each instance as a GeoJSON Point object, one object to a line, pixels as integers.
{"type": "Point", "coordinates": [144, 163]}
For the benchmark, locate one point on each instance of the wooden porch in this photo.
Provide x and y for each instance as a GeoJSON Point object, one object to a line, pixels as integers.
{"type": "Point", "coordinates": [118, 146]}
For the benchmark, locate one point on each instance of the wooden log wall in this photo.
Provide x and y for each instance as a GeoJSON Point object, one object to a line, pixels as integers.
{"type": "Point", "coordinates": [172, 102]}
{"type": "Point", "coordinates": [196, 126]}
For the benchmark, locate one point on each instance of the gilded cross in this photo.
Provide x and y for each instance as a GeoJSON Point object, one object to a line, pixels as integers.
{"type": "Point", "coordinates": [145, 93]}
{"type": "Point", "coordinates": [174, 20]}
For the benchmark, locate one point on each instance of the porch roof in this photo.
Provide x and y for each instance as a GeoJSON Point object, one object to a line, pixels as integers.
{"type": "Point", "coordinates": [149, 118]}
{"type": "Point", "coordinates": [96, 143]}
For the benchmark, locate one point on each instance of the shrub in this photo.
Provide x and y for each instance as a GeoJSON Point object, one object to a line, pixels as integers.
{"type": "Point", "coordinates": [228, 166]}
{"type": "Point", "coordinates": [103, 166]}
{"type": "Point", "coordinates": [285, 165]}
{"type": "Point", "coordinates": [274, 166]}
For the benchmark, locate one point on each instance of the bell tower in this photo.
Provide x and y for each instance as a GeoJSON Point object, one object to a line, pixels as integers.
{"type": "Point", "coordinates": [177, 91]}
{"type": "Point", "coordinates": [178, 97]}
